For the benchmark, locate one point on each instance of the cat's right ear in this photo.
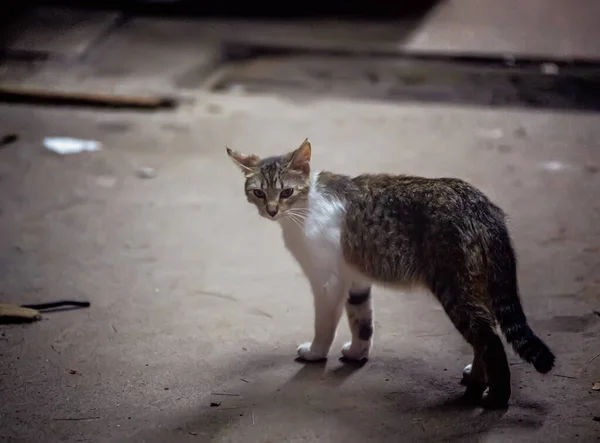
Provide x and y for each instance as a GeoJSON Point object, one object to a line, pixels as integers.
{"type": "Point", "coordinates": [246, 163]}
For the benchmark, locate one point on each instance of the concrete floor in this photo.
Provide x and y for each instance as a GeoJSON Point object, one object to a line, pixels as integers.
{"type": "Point", "coordinates": [194, 295]}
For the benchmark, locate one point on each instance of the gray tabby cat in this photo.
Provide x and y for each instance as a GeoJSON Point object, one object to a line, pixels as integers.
{"type": "Point", "coordinates": [348, 233]}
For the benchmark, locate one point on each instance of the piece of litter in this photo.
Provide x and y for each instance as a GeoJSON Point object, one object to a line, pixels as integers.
{"type": "Point", "coordinates": [520, 132]}
{"type": "Point", "coordinates": [596, 387]}
{"type": "Point", "coordinates": [226, 394]}
{"type": "Point", "coordinates": [564, 376]}
{"type": "Point", "coordinates": [215, 404]}
{"type": "Point", "coordinates": [72, 371]}
{"type": "Point", "coordinates": [8, 139]}
{"type": "Point", "coordinates": [509, 59]}
{"type": "Point", "coordinates": [146, 172]}
{"type": "Point", "coordinates": [66, 145]}
{"type": "Point", "coordinates": [554, 166]}
{"type": "Point", "coordinates": [244, 380]}
{"type": "Point", "coordinates": [596, 418]}
{"type": "Point", "coordinates": [549, 68]}
{"type": "Point", "coordinates": [193, 433]}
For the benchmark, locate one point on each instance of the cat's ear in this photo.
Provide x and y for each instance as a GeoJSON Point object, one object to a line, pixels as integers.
{"type": "Point", "coordinates": [300, 158]}
{"type": "Point", "coordinates": [246, 163]}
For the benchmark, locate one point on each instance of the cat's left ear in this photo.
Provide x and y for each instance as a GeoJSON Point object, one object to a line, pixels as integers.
{"type": "Point", "coordinates": [246, 163]}
{"type": "Point", "coordinates": [300, 158]}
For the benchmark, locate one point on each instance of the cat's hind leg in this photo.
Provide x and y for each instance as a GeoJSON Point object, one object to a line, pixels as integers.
{"type": "Point", "coordinates": [359, 309]}
{"type": "Point", "coordinates": [465, 306]}
{"type": "Point", "coordinates": [474, 378]}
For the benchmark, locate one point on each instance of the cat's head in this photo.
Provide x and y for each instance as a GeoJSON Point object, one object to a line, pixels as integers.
{"type": "Point", "coordinates": [278, 186]}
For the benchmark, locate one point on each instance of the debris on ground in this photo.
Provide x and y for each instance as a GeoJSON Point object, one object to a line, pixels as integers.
{"type": "Point", "coordinates": [520, 132]}
{"type": "Point", "coordinates": [75, 418]}
{"type": "Point", "coordinates": [215, 404]}
{"type": "Point", "coordinates": [32, 312]}
{"type": "Point", "coordinates": [68, 145]}
{"type": "Point", "coordinates": [596, 387]}
{"type": "Point", "coordinates": [73, 372]}
{"type": "Point", "coordinates": [8, 139]}
{"type": "Point", "coordinates": [554, 166]}
{"type": "Point", "coordinates": [87, 99]}
{"type": "Point", "coordinates": [549, 68]}
{"type": "Point", "coordinates": [18, 314]}
{"type": "Point", "coordinates": [146, 172]}
{"type": "Point", "coordinates": [509, 60]}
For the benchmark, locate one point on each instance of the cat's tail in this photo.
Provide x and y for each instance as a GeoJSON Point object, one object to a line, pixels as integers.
{"type": "Point", "coordinates": [504, 293]}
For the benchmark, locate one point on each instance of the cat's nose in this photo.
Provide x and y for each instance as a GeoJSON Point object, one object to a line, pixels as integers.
{"type": "Point", "coordinates": [272, 211]}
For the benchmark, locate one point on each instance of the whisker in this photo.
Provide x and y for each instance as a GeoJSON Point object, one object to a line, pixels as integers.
{"type": "Point", "coordinates": [295, 212]}
{"type": "Point", "coordinates": [294, 218]}
{"type": "Point", "coordinates": [297, 217]}
{"type": "Point", "coordinates": [300, 210]}
{"type": "Point", "coordinates": [295, 222]}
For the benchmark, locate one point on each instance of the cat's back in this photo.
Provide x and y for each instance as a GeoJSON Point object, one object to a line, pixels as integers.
{"type": "Point", "coordinates": [394, 225]}
{"type": "Point", "coordinates": [407, 196]}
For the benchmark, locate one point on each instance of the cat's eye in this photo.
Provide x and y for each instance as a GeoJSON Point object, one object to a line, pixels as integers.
{"type": "Point", "coordinates": [259, 193]}
{"type": "Point", "coordinates": [286, 193]}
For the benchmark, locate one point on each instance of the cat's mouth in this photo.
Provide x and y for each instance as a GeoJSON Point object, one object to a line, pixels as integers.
{"type": "Point", "coordinates": [273, 217]}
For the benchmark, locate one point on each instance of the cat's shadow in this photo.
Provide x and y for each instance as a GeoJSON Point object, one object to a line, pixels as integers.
{"type": "Point", "coordinates": [418, 403]}
{"type": "Point", "coordinates": [316, 371]}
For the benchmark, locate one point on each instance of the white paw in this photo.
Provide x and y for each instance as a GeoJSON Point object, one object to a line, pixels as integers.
{"type": "Point", "coordinates": [359, 352]}
{"type": "Point", "coordinates": [308, 353]}
{"type": "Point", "coordinates": [467, 371]}
{"type": "Point", "coordinates": [471, 378]}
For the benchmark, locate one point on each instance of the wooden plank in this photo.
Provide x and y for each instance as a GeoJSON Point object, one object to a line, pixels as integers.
{"type": "Point", "coordinates": [65, 98]}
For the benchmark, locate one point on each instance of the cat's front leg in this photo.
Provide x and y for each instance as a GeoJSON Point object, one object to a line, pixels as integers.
{"type": "Point", "coordinates": [328, 304]}
{"type": "Point", "coordinates": [359, 308]}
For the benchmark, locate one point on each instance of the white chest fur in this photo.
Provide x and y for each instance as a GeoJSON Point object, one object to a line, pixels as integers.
{"type": "Point", "coordinates": [315, 242]}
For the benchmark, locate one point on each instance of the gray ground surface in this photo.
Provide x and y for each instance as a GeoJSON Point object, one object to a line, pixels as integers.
{"type": "Point", "coordinates": [194, 295]}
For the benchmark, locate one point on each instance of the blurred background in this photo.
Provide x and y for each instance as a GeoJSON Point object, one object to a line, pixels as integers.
{"type": "Point", "coordinates": [115, 190]}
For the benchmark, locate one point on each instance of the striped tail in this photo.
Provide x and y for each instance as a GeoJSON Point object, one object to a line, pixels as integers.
{"type": "Point", "coordinates": [506, 304]}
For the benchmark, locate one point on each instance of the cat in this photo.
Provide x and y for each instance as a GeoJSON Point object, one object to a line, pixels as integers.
{"type": "Point", "coordinates": [349, 233]}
